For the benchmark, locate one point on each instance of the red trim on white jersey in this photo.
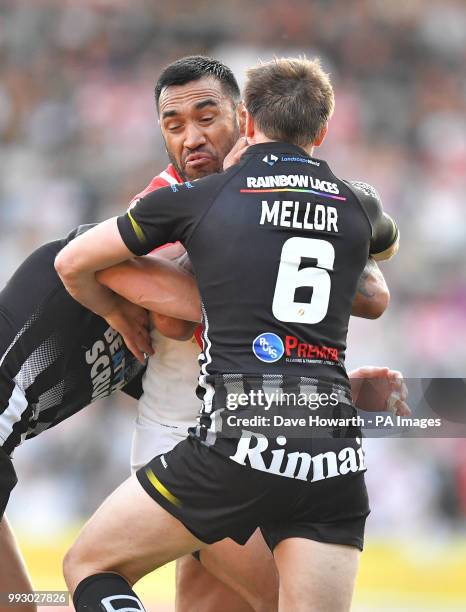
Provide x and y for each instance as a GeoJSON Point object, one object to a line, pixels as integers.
{"type": "Point", "coordinates": [167, 177]}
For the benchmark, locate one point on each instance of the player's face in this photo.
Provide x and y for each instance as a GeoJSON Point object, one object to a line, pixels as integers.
{"type": "Point", "coordinates": [199, 125]}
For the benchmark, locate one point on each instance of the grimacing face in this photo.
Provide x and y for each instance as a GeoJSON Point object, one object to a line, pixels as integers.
{"type": "Point", "coordinates": [199, 125]}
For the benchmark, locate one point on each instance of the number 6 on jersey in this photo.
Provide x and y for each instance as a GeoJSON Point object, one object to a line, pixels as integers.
{"type": "Point", "coordinates": [290, 278]}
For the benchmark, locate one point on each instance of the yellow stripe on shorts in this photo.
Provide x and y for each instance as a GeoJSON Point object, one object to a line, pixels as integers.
{"type": "Point", "coordinates": [137, 228]}
{"type": "Point", "coordinates": [155, 482]}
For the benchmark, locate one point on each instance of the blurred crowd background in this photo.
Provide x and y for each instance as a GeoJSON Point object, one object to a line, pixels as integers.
{"type": "Point", "coordinates": [79, 137]}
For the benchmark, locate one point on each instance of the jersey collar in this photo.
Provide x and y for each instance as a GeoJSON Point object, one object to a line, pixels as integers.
{"type": "Point", "coordinates": [281, 148]}
{"type": "Point", "coordinates": [170, 169]}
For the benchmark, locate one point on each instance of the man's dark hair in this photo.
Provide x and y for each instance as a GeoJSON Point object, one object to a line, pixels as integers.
{"type": "Point", "coordinates": [193, 68]}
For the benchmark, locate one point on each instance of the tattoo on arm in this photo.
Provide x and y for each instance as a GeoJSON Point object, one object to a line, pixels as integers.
{"type": "Point", "coordinates": [366, 278]}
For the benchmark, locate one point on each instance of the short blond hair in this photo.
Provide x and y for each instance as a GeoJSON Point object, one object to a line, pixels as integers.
{"type": "Point", "coordinates": [290, 99]}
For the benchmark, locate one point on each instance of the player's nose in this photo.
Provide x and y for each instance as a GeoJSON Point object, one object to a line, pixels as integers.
{"type": "Point", "coordinates": [194, 137]}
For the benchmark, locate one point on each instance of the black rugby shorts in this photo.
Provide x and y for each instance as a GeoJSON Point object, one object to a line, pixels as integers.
{"type": "Point", "coordinates": [215, 497]}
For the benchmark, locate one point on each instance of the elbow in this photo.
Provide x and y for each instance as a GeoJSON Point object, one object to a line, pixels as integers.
{"type": "Point", "coordinates": [62, 265]}
{"type": "Point", "coordinates": [65, 266]}
{"type": "Point", "coordinates": [380, 304]}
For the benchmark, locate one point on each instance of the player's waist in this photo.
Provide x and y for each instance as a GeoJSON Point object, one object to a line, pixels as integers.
{"type": "Point", "coordinates": [280, 380]}
{"type": "Point", "coordinates": [234, 390]}
{"type": "Point", "coordinates": [286, 451]}
{"type": "Point", "coordinates": [279, 349]}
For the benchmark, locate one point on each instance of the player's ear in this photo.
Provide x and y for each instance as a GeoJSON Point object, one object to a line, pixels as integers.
{"type": "Point", "coordinates": [250, 127]}
{"type": "Point", "coordinates": [321, 135]}
{"type": "Point", "coordinates": [241, 117]}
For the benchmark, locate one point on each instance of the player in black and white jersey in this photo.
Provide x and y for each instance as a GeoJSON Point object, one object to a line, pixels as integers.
{"type": "Point", "coordinates": [277, 244]}
{"type": "Point", "coordinates": [200, 112]}
{"type": "Point", "coordinates": [56, 357]}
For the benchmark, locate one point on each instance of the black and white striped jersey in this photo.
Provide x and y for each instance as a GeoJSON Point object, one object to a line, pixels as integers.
{"type": "Point", "coordinates": [277, 243]}
{"type": "Point", "coordinates": [56, 357]}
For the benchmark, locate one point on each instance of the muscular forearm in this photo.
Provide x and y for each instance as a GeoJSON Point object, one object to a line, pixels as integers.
{"type": "Point", "coordinates": [156, 284]}
{"type": "Point", "coordinates": [84, 288]}
{"type": "Point", "coordinates": [77, 264]}
{"type": "Point", "coordinates": [372, 294]}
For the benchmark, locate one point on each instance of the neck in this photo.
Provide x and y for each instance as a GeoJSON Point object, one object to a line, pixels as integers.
{"type": "Point", "coordinates": [260, 138]}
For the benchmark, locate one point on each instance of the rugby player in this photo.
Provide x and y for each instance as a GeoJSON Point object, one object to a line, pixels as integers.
{"type": "Point", "coordinates": [56, 357]}
{"type": "Point", "coordinates": [203, 495]}
{"type": "Point", "coordinates": [150, 290]}
{"type": "Point", "coordinates": [201, 116]}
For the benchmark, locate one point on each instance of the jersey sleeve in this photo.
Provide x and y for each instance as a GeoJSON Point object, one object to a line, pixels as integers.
{"type": "Point", "coordinates": [384, 229]}
{"type": "Point", "coordinates": [77, 231]}
{"type": "Point", "coordinates": [166, 215]}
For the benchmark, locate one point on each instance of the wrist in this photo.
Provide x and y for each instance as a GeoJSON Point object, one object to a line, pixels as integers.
{"type": "Point", "coordinates": [108, 305]}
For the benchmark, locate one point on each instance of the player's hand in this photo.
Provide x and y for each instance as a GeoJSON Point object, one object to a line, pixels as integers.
{"type": "Point", "coordinates": [132, 322]}
{"type": "Point", "coordinates": [235, 154]}
{"type": "Point", "coordinates": [380, 389]}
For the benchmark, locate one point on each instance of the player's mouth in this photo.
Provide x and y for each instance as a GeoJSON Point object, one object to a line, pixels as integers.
{"type": "Point", "coordinates": [197, 160]}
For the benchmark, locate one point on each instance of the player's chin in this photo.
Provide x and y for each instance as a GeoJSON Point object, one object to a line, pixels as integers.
{"type": "Point", "coordinates": [206, 169]}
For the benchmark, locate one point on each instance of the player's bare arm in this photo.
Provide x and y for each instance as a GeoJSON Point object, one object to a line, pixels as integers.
{"type": "Point", "coordinates": [77, 264]}
{"type": "Point", "coordinates": [157, 284]}
{"type": "Point", "coordinates": [372, 295]}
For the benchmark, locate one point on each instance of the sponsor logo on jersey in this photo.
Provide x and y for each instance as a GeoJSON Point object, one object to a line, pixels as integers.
{"type": "Point", "coordinates": [299, 160]}
{"type": "Point", "coordinates": [291, 180]}
{"type": "Point", "coordinates": [299, 465]}
{"type": "Point", "coordinates": [108, 364]}
{"type": "Point", "coordinates": [299, 183]}
{"type": "Point", "coordinates": [297, 351]}
{"type": "Point", "coordinates": [268, 347]}
{"type": "Point", "coordinates": [270, 159]}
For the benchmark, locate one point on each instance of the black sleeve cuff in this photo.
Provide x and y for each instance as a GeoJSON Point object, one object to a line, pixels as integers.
{"type": "Point", "coordinates": [132, 235]}
{"type": "Point", "coordinates": [385, 235]}
{"type": "Point", "coordinates": [385, 242]}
